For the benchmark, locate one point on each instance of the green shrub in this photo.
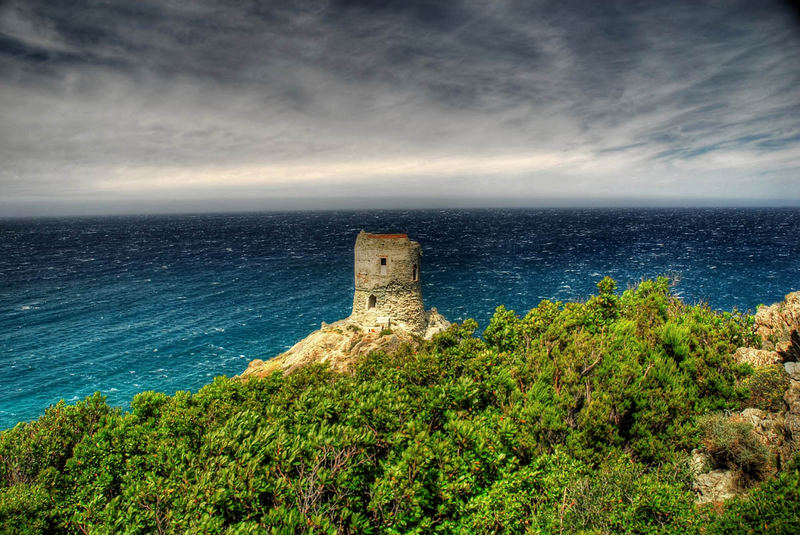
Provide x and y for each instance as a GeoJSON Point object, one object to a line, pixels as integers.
{"type": "Point", "coordinates": [626, 497]}
{"type": "Point", "coordinates": [26, 510]}
{"type": "Point", "coordinates": [571, 418]}
{"type": "Point", "coordinates": [504, 331]}
{"type": "Point", "coordinates": [29, 448]}
{"type": "Point", "coordinates": [525, 500]}
{"type": "Point", "coordinates": [676, 341]}
{"type": "Point", "coordinates": [732, 444]}
{"type": "Point", "coordinates": [766, 386]}
{"type": "Point", "coordinates": [769, 509]}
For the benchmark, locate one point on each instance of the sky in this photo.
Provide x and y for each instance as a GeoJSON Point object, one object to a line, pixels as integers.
{"type": "Point", "coordinates": [161, 106]}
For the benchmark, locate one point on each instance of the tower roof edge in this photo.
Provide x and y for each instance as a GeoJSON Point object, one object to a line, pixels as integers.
{"type": "Point", "coordinates": [385, 236]}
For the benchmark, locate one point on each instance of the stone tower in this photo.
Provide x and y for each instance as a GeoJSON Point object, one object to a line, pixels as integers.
{"type": "Point", "coordinates": [387, 281]}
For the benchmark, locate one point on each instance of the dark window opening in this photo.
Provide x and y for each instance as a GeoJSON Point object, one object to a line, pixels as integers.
{"type": "Point", "coordinates": [414, 274]}
{"type": "Point", "coordinates": [372, 301]}
{"type": "Point", "coordinates": [383, 266]}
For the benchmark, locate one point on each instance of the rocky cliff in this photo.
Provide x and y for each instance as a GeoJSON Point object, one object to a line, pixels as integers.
{"type": "Point", "coordinates": [776, 426]}
{"type": "Point", "coordinates": [342, 342]}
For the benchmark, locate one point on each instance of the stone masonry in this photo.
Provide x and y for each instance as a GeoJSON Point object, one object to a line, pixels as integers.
{"type": "Point", "coordinates": [387, 311]}
{"type": "Point", "coordinates": [387, 282]}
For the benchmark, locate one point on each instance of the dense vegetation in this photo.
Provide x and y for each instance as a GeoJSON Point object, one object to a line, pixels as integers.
{"type": "Point", "coordinates": [577, 417]}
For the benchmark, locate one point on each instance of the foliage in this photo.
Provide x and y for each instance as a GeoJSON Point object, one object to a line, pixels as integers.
{"type": "Point", "coordinates": [627, 373]}
{"type": "Point", "coordinates": [767, 386]}
{"type": "Point", "coordinates": [732, 444]}
{"type": "Point", "coordinates": [770, 509]}
{"type": "Point", "coordinates": [572, 418]}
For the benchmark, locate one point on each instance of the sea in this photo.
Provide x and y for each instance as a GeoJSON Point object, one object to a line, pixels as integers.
{"type": "Point", "coordinates": [125, 304]}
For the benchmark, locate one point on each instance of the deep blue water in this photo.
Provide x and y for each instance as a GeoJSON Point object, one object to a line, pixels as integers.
{"type": "Point", "coordinates": [125, 304]}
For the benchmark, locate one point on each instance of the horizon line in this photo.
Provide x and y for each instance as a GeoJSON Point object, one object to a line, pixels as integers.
{"type": "Point", "coordinates": [231, 210]}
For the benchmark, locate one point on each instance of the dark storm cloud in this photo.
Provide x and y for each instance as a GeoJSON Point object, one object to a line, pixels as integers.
{"type": "Point", "coordinates": [102, 100]}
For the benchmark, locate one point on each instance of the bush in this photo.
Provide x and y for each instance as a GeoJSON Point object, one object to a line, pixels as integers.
{"type": "Point", "coordinates": [769, 509]}
{"type": "Point", "coordinates": [26, 509]}
{"type": "Point", "coordinates": [625, 497]}
{"type": "Point", "coordinates": [732, 444]}
{"type": "Point", "coordinates": [767, 386]}
{"type": "Point", "coordinates": [570, 418]}
{"type": "Point", "coordinates": [29, 448]}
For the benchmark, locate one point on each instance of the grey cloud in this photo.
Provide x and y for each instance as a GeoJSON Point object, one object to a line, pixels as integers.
{"type": "Point", "coordinates": [90, 89]}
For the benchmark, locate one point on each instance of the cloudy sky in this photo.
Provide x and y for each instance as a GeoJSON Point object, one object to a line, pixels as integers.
{"type": "Point", "coordinates": [161, 105]}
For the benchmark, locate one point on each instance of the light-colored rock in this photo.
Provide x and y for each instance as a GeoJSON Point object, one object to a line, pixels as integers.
{"type": "Point", "coordinates": [793, 370]}
{"type": "Point", "coordinates": [789, 350]}
{"type": "Point", "coordinates": [700, 462]}
{"type": "Point", "coordinates": [340, 344]}
{"type": "Point", "coordinates": [343, 342]}
{"type": "Point", "coordinates": [791, 429]}
{"type": "Point", "coordinates": [756, 357]}
{"type": "Point", "coordinates": [779, 431]}
{"type": "Point", "coordinates": [767, 426]}
{"type": "Point", "coordinates": [776, 323]}
{"type": "Point", "coordinates": [792, 398]}
{"type": "Point", "coordinates": [716, 486]}
{"type": "Point", "coordinates": [713, 485]}
{"type": "Point", "coordinates": [436, 324]}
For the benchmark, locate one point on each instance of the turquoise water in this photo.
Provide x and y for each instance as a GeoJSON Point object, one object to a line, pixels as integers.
{"type": "Point", "coordinates": [125, 304]}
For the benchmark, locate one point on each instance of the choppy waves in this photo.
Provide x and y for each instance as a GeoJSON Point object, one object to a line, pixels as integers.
{"type": "Point", "coordinates": [125, 304]}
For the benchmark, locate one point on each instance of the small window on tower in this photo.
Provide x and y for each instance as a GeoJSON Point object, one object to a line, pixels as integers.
{"type": "Point", "coordinates": [383, 266]}
{"type": "Point", "coordinates": [414, 275]}
{"type": "Point", "coordinates": [372, 301]}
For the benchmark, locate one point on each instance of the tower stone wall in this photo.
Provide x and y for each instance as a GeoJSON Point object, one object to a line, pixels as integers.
{"type": "Point", "coordinates": [387, 281]}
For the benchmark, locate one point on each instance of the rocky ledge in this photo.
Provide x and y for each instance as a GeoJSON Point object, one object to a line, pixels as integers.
{"type": "Point", "coordinates": [777, 428]}
{"type": "Point", "coordinates": [342, 342]}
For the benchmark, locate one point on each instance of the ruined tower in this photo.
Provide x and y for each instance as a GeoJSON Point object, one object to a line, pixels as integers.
{"type": "Point", "coordinates": [387, 281]}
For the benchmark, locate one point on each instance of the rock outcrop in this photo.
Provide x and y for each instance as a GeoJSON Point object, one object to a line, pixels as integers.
{"type": "Point", "coordinates": [341, 343]}
{"type": "Point", "coordinates": [779, 430]}
{"type": "Point", "coordinates": [388, 310]}
{"type": "Point", "coordinates": [757, 357]}
{"type": "Point", "coordinates": [778, 327]}
{"type": "Point", "coordinates": [712, 485]}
